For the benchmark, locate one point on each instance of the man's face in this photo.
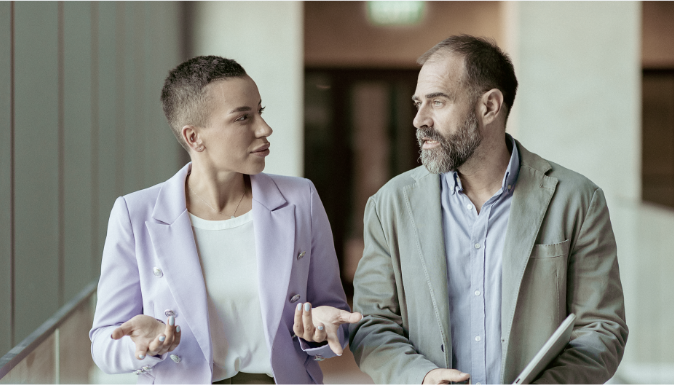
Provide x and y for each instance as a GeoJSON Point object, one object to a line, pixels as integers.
{"type": "Point", "coordinates": [447, 126]}
{"type": "Point", "coordinates": [236, 134]}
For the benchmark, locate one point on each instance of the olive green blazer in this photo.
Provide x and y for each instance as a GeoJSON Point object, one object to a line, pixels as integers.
{"type": "Point", "coordinates": [559, 257]}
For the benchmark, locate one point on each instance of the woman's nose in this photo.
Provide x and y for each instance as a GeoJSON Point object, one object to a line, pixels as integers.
{"type": "Point", "coordinates": [263, 129]}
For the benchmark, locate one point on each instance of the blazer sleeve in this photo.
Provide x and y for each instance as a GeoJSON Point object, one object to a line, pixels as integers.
{"type": "Point", "coordinates": [595, 295]}
{"type": "Point", "coordinates": [378, 341]}
{"type": "Point", "coordinates": [119, 298]}
{"type": "Point", "coordinates": [324, 285]}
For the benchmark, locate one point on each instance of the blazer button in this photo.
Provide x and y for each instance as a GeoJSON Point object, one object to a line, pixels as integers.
{"type": "Point", "coordinates": [169, 312]}
{"type": "Point", "coordinates": [138, 372]}
{"type": "Point", "coordinates": [300, 255]}
{"type": "Point", "coordinates": [175, 358]}
{"type": "Point", "coordinates": [319, 357]}
{"type": "Point", "coordinates": [295, 298]}
{"type": "Point", "coordinates": [157, 272]}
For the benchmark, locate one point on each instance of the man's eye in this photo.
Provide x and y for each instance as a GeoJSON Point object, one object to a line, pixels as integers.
{"type": "Point", "coordinates": [437, 103]}
{"type": "Point", "coordinates": [416, 105]}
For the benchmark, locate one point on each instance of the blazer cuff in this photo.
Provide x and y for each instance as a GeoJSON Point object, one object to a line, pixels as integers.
{"type": "Point", "coordinates": [146, 364]}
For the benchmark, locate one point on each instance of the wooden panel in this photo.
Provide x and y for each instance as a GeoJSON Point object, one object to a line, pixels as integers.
{"type": "Point", "coordinates": [37, 159]}
{"type": "Point", "coordinates": [5, 179]}
{"type": "Point", "coordinates": [75, 360]}
{"type": "Point", "coordinates": [39, 367]}
{"type": "Point", "coordinates": [108, 184]}
{"type": "Point", "coordinates": [337, 33]}
{"type": "Point", "coordinates": [657, 37]}
{"type": "Point", "coordinates": [77, 147]}
{"type": "Point", "coordinates": [658, 138]}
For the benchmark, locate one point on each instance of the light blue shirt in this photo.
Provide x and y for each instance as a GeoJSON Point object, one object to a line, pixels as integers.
{"type": "Point", "coordinates": [474, 250]}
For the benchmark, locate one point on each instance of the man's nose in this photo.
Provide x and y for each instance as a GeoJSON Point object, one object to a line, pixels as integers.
{"type": "Point", "coordinates": [422, 118]}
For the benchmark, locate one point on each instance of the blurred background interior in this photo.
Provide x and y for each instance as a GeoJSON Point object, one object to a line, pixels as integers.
{"type": "Point", "coordinates": [81, 124]}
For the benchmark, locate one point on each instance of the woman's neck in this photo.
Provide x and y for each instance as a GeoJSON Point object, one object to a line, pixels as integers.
{"type": "Point", "coordinates": [217, 195]}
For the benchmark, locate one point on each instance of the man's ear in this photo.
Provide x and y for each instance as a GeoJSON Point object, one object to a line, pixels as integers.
{"type": "Point", "coordinates": [190, 135]}
{"type": "Point", "coordinates": [491, 105]}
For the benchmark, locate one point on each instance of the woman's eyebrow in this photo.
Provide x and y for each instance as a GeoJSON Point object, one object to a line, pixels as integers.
{"type": "Point", "coordinates": [240, 109]}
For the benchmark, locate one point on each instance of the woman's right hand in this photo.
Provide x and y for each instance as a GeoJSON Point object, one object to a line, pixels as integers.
{"type": "Point", "coordinates": [151, 336]}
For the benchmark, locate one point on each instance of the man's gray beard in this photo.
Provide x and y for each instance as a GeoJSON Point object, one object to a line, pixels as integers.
{"type": "Point", "coordinates": [453, 151]}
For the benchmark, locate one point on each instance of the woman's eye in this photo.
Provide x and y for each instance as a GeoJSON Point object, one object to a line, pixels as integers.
{"type": "Point", "coordinates": [241, 118]}
{"type": "Point", "coordinates": [262, 110]}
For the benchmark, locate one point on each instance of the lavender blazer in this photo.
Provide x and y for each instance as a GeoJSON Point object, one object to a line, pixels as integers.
{"type": "Point", "coordinates": [151, 229]}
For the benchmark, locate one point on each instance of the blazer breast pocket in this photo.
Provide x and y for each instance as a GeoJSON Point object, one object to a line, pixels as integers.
{"type": "Point", "coordinates": [553, 250]}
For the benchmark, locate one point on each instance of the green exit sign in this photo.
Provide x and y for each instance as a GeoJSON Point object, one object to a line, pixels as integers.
{"type": "Point", "coordinates": [395, 12]}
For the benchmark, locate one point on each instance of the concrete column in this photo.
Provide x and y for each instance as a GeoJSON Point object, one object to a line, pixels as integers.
{"type": "Point", "coordinates": [266, 39]}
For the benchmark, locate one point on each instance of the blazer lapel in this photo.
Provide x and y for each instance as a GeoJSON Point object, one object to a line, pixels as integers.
{"type": "Point", "coordinates": [531, 198]}
{"type": "Point", "coordinates": [175, 248]}
{"type": "Point", "coordinates": [424, 207]}
{"type": "Point", "coordinates": [274, 222]}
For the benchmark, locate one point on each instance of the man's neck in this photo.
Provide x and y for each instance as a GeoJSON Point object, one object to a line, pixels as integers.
{"type": "Point", "coordinates": [482, 175]}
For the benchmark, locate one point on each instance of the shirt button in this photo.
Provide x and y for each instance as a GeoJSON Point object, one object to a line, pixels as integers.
{"type": "Point", "coordinates": [295, 298]}
{"type": "Point", "coordinates": [157, 272]}
{"type": "Point", "coordinates": [300, 255]}
{"type": "Point", "coordinates": [469, 207]}
{"type": "Point", "coordinates": [477, 246]}
{"type": "Point", "coordinates": [477, 292]}
{"type": "Point", "coordinates": [478, 338]}
{"type": "Point", "coordinates": [175, 358]}
{"type": "Point", "coordinates": [509, 187]}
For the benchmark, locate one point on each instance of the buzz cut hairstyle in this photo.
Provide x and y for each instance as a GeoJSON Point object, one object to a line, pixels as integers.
{"type": "Point", "coordinates": [184, 97]}
{"type": "Point", "coordinates": [486, 66]}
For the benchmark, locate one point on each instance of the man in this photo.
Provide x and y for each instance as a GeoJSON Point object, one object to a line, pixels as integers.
{"type": "Point", "coordinates": [472, 260]}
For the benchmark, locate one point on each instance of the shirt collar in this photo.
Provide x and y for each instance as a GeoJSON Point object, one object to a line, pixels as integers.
{"type": "Point", "coordinates": [509, 178]}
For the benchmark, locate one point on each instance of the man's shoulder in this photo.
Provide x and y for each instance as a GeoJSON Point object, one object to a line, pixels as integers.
{"type": "Point", "coordinates": [395, 186]}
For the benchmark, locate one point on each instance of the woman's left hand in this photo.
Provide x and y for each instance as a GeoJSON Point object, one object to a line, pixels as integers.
{"type": "Point", "coordinates": [322, 323]}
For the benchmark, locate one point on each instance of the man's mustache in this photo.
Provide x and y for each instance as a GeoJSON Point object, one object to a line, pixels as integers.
{"type": "Point", "coordinates": [426, 132]}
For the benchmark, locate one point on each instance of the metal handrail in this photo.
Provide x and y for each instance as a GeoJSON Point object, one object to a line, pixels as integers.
{"type": "Point", "coordinates": [30, 343]}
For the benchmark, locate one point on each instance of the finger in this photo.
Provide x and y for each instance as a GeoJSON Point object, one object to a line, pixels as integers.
{"type": "Point", "coordinates": [141, 351]}
{"type": "Point", "coordinates": [348, 318]}
{"type": "Point", "coordinates": [169, 331]}
{"type": "Point", "coordinates": [333, 342]}
{"type": "Point", "coordinates": [453, 375]}
{"type": "Point", "coordinates": [176, 340]}
{"type": "Point", "coordinates": [297, 325]}
{"type": "Point", "coordinates": [320, 334]}
{"type": "Point", "coordinates": [156, 345]}
{"type": "Point", "coordinates": [308, 322]}
{"type": "Point", "coordinates": [124, 329]}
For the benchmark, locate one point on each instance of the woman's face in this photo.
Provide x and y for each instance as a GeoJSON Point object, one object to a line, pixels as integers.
{"type": "Point", "coordinates": [235, 137]}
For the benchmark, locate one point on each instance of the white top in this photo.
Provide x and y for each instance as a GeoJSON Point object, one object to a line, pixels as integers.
{"type": "Point", "coordinates": [229, 264]}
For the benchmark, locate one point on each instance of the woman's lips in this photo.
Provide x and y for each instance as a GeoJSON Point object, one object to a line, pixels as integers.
{"type": "Point", "coordinates": [262, 151]}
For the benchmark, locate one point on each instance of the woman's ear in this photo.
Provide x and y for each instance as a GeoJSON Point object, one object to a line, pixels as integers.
{"type": "Point", "coordinates": [190, 135]}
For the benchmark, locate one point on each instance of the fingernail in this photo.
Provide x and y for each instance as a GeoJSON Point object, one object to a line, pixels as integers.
{"type": "Point", "coordinates": [307, 306]}
{"type": "Point", "coordinates": [141, 356]}
{"type": "Point", "coordinates": [178, 329]}
{"type": "Point", "coordinates": [162, 338]}
{"type": "Point", "coordinates": [172, 320]}
{"type": "Point", "coordinates": [320, 328]}
{"type": "Point", "coordinates": [299, 306]}
{"type": "Point", "coordinates": [338, 355]}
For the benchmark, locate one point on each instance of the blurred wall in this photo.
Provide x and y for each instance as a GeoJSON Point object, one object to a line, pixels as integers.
{"type": "Point", "coordinates": [338, 33]}
{"type": "Point", "coordinates": [82, 124]}
{"type": "Point", "coordinates": [266, 39]}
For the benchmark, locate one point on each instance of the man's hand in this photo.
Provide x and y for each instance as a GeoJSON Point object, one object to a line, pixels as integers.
{"type": "Point", "coordinates": [321, 323]}
{"type": "Point", "coordinates": [445, 376]}
{"type": "Point", "coordinates": [150, 336]}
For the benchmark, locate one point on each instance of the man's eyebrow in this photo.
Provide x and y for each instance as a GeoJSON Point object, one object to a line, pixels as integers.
{"type": "Point", "coordinates": [436, 94]}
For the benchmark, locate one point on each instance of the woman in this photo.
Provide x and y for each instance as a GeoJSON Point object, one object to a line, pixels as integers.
{"type": "Point", "coordinates": [231, 259]}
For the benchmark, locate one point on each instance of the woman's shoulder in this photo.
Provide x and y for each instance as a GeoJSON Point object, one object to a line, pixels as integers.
{"type": "Point", "coordinates": [290, 187]}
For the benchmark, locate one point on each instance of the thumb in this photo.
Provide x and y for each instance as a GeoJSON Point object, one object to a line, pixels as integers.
{"type": "Point", "coordinates": [349, 318]}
